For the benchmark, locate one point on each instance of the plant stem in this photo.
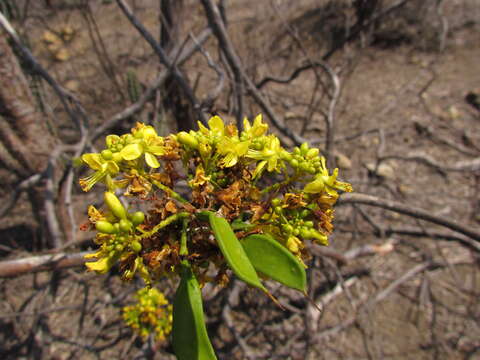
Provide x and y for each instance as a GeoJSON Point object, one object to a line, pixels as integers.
{"type": "Point", "coordinates": [169, 191]}
{"type": "Point", "coordinates": [164, 223]}
{"type": "Point", "coordinates": [183, 239]}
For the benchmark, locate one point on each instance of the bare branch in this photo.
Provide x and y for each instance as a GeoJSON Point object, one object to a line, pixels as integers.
{"type": "Point", "coordinates": [410, 211]}
{"type": "Point", "coordinates": [9, 268]}
{"type": "Point", "coordinates": [171, 66]}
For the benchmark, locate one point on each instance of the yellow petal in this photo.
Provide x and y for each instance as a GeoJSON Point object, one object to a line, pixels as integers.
{"type": "Point", "coordinates": [259, 168]}
{"type": "Point", "coordinates": [151, 160]}
{"type": "Point", "coordinates": [149, 132]}
{"type": "Point", "coordinates": [246, 125]}
{"type": "Point", "coordinates": [93, 255]}
{"type": "Point", "coordinates": [155, 149]}
{"type": "Point", "coordinates": [241, 148]}
{"type": "Point", "coordinates": [100, 266]}
{"type": "Point", "coordinates": [230, 160]}
{"type": "Point", "coordinates": [314, 187]}
{"type": "Point", "coordinates": [131, 152]}
{"type": "Point", "coordinates": [93, 160]}
{"type": "Point", "coordinates": [112, 168]}
{"type": "Point", "coordinates": [259, 128]}
{"type": "Point", "coordinates": [202, 128]}
{"type": "Point", "coordinates": [216, 125]}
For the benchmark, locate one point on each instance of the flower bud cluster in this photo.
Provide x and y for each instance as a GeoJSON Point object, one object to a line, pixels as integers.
{"type": "Point", "coordinates": [116, 235]}
{"type": "Point", "coordinates": [296, 221]}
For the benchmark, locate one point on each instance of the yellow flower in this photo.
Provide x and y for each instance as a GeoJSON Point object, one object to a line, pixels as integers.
{"type": "Point", "coordinates": [105, 169]}
{"type": "Point", "coordinates": [216, 131]}
{"type": "Point", "coordinates": [146, 142]}
{"type": "Point", "coordinates": [268, 156]}
{"type": "Point", "coordinates": [258, 129]}
{"type": "Point", "coordinates": [233, 149]}
{"type": "Point", "coordinates": [325, 181]}
{"type": "Point", "coordinates": [105, 260]}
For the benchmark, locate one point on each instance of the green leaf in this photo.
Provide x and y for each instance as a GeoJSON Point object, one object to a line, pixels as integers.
{"type": "Point", "coordinates": [272, 259]}
{"type": "Point", "coordinates": [233, 251]}
{"type": "Point", "coordinates": [190, 337]}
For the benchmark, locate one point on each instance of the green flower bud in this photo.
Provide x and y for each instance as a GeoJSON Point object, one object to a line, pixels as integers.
{"type": "Point", "coordinates": [287, 228]}
{"type": "Point", "coordinates": [304, 213]}
{"type": "Point", "coordinates": [304, 166]}
{"type": "Point", "coordinates": [125, 225]}
{"type": "Point", "coordinates": [275, 202]}
{"type": "Point", "coordinates": [137, 218]}
{"type": "Point", "coordinates": [119, 247]}
{"type": "Point", "coordinates": [187, 139]}
{"type": "Point", "coordinates": [277, 210]}
{"type": "Point", "coordinates": [312, 153]}
{"type": "Point", "coordinates": [304, 232]}
{"type": "Point", "coordinates": [296, 232]}
{"type": "Point", "coordinates": [304, 149]}
{"type": "Point", "coordinates": [322, 239]}
{"type": "Point", "coordinates": [115, 205]}
{"type": "Point", "coordinates": [107, 154]}
{"type": "Point", "coordinates": [309, 224]}
{"type": "Point", "coordinates": [285, 155]}
{"type": "Point", "coordinates": [105, 227]}
{"type": "Point", "coordinates": [296, 150]}
{"type": "Point", "coordinates": [135, 246]}
{"type": "Point", "coordinates": [294, 163]}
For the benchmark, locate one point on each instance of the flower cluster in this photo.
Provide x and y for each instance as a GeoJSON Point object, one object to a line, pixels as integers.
{"type": "Point", "coordinates": [246, 177]}
{"type": "Point", "coordinates": [152, 314]}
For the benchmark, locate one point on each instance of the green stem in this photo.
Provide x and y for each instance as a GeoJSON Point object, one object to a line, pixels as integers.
{"type": "Point", "coordinates": [169, 191]}
{"type": "Point", "coordinates": [164, 223]}
{"type": "Point", "coordinates": [183, 239]}
{"type": "Point", "coordinates": [277, 186]}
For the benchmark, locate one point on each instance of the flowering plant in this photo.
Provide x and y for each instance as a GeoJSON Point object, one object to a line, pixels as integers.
{"type": "Point", "coordinates": [251, 206]}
